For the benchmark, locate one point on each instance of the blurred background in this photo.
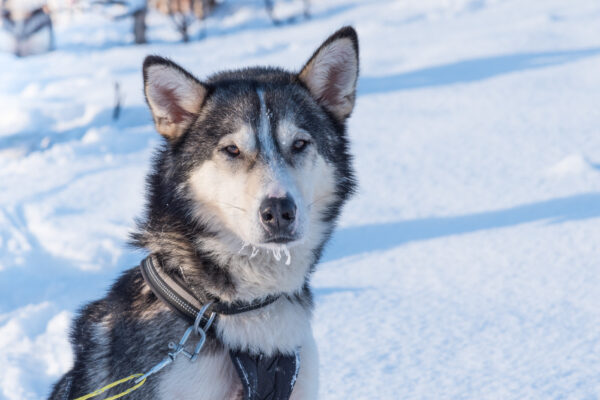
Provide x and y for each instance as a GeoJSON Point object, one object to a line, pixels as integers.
{"type": "Point", "coordinates": [467, 265]}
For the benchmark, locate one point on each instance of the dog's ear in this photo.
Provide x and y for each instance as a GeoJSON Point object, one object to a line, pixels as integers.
{"type": "Point", "coordinates": [173, 94]}
{"type": "Point", "coordinates": [332, 72]}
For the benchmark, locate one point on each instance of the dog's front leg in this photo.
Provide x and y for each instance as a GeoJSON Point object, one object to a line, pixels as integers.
{"type": "Point", "coordinates": [307, 383]}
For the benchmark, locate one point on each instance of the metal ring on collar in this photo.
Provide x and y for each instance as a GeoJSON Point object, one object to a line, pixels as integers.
{"type": "Point", "coordinates": [199, 317]}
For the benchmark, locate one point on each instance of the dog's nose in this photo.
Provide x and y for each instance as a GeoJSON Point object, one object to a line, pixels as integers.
{"type": "Point", "coordinates": [277, 214]}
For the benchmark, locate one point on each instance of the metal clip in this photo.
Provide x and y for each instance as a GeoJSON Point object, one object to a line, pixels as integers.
{"type": "Point", "coordinates": [201, 331]}
{"type": "Point", "coordinates": [180, 347]}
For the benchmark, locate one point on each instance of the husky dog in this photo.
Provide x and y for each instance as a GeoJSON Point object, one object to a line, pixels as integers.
{"type": "Point", "coordinates": [29, 26]}
{"type": "Point", "coordinates": [244, 194]}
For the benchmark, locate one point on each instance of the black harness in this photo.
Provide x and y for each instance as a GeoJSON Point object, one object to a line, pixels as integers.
{"type": "Point", "coordinates": [263, 378]}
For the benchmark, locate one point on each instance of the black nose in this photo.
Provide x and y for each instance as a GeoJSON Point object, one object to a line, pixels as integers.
{"type": "Point", "coordinates": [277, 214]}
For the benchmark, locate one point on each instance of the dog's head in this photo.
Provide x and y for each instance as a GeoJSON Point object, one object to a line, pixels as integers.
{"type": "Point", "coordinates": [259, 153]}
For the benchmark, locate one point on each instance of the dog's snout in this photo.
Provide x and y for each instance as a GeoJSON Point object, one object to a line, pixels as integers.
{"type": "Point", "coordinates": [277, 214]}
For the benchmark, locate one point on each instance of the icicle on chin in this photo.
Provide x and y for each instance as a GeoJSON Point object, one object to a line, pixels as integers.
{"type": "Point", "coordinates": [254, 252]}
{"type": "Point", "coordinates": [277, 254]}
{"type": "Point", "coordinates": [286, 251]}
{"type": "Point", "coordinates": [244, 245]}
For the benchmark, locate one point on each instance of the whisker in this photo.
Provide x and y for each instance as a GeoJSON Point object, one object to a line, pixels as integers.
{"type": "Point", "coordinates": [318, 200]}
{"type": "Point", "coordinates": [232, 206]}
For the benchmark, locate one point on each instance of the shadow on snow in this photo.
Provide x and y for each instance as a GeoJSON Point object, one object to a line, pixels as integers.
{"type": "Point", "coordinates": [360, 239]}
{"type": "Point", "coordinates": [471, 70]}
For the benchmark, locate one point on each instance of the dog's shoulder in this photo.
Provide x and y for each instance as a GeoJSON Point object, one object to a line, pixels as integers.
{"type": "Point", "coordinates": [116, 301]}
{"type": "Point", "coordinates": [124, 332]}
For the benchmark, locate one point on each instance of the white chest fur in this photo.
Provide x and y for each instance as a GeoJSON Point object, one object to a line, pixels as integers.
{"type": "Point", "coordinates": [280, 327]}
{"type": "Point", "coordinates": [212, 377]}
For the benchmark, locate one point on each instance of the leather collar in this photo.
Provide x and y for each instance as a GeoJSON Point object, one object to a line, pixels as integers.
{"type": "Point", "coordinates": [180, 298]}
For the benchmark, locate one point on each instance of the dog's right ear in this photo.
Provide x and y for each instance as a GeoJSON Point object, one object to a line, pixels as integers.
{"type": "Point", "coordinates": [173, 94]}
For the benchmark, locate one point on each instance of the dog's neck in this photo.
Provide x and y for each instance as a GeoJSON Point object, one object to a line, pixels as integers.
{"type": "Point", "coordinates": [234, 274]}
{"type": "Point", "coordinates": [222, 266]}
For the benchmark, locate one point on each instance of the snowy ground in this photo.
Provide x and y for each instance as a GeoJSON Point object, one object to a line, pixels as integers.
{"type": "Point", "coordinates": [467, 266]}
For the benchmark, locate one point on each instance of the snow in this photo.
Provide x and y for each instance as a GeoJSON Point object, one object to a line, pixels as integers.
{"type": "Point", "coordinates": [465, 268]}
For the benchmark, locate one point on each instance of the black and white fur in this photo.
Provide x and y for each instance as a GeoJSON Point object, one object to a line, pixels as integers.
{"type": "Point", "coordinates": [232, 141]}
{"type": "Point", "coordinates": [30, 28]}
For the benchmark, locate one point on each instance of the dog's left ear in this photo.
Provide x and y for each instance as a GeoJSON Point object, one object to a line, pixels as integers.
{"type": "Point", "coordinates": [332, 72]}
{"type": "Point", "coordinates": [173, 94]}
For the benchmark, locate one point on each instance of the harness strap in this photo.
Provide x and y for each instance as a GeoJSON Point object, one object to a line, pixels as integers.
{"type": "Point", "coordinates": [266, 378]}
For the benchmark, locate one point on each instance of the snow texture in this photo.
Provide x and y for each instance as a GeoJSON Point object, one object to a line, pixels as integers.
{"type": "Point", "coordinates": [465, 268]}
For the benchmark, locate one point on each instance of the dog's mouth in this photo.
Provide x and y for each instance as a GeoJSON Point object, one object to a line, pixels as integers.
{"type": "Point", "coordinates": [280, 239]}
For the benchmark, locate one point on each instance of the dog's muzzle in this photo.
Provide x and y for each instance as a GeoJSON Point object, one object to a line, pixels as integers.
{"type": "Point", "coordinates": [277, 216]}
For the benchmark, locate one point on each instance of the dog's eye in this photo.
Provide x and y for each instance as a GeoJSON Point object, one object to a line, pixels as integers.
{"type": "Point", "coordinates": [232, 150]}
{"type": "Point", "coordinates": [300, 145]}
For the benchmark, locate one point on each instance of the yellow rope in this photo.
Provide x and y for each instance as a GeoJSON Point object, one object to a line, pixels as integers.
{"type": "Point", "coordinates": [111, 385]}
